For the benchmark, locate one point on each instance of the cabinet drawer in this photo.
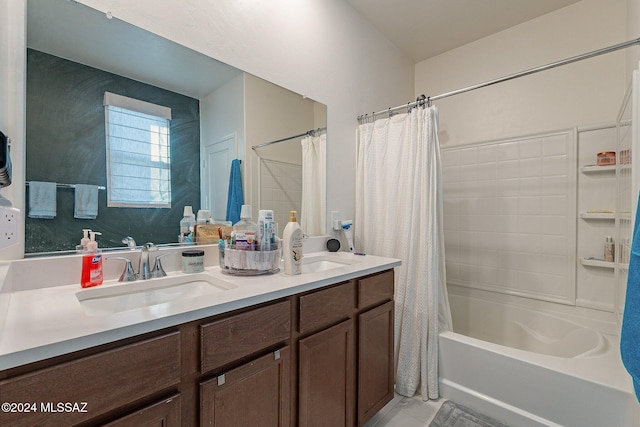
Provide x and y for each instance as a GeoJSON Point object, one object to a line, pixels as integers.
{"type": "Point", "coordinates": [243, 334]}
{"type": "Point", "coordinates": [375, 289]}
{"type": "Point", "coordinates": [104, 381]}
{"type": "Point", "coordinates": [165, 413]}
{"type": "Point", "coordinates": [326, 306]}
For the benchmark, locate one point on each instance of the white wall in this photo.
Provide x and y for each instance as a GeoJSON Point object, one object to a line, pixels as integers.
{"type": "Point", "coordinates": [13, 56]}
{"type": "Point", "coordinates": [319, 48]}
{"type": "Point", "coordinates": [633, 32]}
{"type": "Point", "coordinates": [584, 93]}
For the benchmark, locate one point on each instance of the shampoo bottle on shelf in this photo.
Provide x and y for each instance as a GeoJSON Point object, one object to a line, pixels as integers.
{"type": "Point", "coordinates": [245, 231]}
{"type": "Point", "coordinates": [609, 249]}
{"type": "Point", "coordinates": [292, 246]}
{"type": "Point", "coordinates": [91, 263]}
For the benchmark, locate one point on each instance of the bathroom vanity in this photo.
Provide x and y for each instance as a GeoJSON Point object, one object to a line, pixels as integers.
{"type": "Point", "coordinates": [313, 349]}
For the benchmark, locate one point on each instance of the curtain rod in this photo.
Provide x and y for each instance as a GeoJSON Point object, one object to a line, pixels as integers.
{"type": "Point", "coordinates": [422, 99]}
{"type": "Point", "coordinates": [311, 132]}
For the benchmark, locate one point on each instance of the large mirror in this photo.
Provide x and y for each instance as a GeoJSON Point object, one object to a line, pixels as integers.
{"type": "Point", "coordinates": [218, 113]}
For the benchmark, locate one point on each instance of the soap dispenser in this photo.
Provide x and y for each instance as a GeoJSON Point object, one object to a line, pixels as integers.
{"type": "Point", "coordinates": [84, 241]}
{"type": "Point", "coordinates": [91, 263]}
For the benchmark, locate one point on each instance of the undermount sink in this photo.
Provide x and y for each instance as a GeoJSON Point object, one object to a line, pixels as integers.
{"type": "Point", "coordinates": [316, 264]}
{"type": "Point", "coordinates": [103, 300]}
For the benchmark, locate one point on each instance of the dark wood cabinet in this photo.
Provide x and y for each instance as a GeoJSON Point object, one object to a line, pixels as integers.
{"type": "Point", "coordinates": [375, 360]}
{"type": "Point", "coordinates": [327, 377]}
{"type": "Point", "coordinates": [165, 413]}
{"type": "Point", "coordinates": [254, 394]}
{"type": "Point", "coordinates": [318, 358]}
{"type": "Point", "coordinates": [98, 384]}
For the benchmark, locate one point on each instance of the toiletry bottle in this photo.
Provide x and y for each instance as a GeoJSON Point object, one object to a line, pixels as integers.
{"type": "Point", "coordinates": [83, 242]}
{"type": "Point", "coordinates": [245, 231]}
{"type": "Point", "coordinates": [292, 246]}
{"type": "Point", "coordinates": [267, 230]}
{"type": "Point", "coordinates": [91, 263]}
{"type": "Point", "coordinates": [187, 224]}
{"type": "Point", "coordinates": [609, 249]}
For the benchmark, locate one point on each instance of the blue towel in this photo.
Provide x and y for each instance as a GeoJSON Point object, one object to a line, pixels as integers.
{"type": "Point", "coordinates": [86, 202]}
{"type": "Point", "coordinates": [235, 198]}
{"type": "Point", "coordinates": [42, 200]}
{"type": "Point", "coordinates": [630, 334]}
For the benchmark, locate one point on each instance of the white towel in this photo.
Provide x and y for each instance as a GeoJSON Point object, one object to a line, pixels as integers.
{"type": "Point", "coordinates": [86, 206]}
{"type": "Point", "coordinates": [42, 200]}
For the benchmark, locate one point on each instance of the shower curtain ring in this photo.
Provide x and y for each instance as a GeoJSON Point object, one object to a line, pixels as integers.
{"type": "Point", "coordinates": [429, 102]}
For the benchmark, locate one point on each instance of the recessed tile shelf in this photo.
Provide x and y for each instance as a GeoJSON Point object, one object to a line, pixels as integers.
{"type": "Point", "coordinates": [596, 263]}
{"type": "Point", "coordinates": [598, 215]}
{"type": "Point", "coordinates": [595, 169]}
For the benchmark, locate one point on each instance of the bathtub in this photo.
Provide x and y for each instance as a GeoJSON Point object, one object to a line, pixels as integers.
{"type": "Point", "coordinates": [530, 368]}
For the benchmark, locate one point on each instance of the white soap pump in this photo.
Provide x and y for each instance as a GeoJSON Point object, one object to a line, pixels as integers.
{"type": "Point", "coordinates": [84, 240]}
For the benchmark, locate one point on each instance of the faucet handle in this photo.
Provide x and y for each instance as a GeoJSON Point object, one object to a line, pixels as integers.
{"type": "Point", "coordinates": [131, 244]}
{"type": "Point", "coordinates": [129, 274]}
{"type": "Point", "coordinates": [158, 271]}
{"type": "Point", "coordinates": [149, 247]}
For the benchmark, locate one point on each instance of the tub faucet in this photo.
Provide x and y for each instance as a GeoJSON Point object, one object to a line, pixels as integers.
{"type": "Point", "coordinates": [144, 270]}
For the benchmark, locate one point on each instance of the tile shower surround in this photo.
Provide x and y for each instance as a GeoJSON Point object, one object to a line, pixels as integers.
{"type": "Point", "coordinates": [509, 210]}
{"type": "Point", "coordinates": [280, 190]}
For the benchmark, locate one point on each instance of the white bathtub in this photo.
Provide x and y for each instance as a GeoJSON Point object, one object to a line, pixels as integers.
{"type": "Point", "coordinates": [528, 368]}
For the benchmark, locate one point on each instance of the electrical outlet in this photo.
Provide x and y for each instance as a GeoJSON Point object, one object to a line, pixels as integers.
{"type": "Point", "coordinates": [9, 226]}
{"type": "Point", "coordinates": [335, 220]}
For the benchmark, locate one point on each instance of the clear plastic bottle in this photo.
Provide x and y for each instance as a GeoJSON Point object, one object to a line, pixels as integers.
{"type": "Point", "coordinates": [267, 230]}
{"type": "Point", "coordinates": [245, 231]}
{"type": "Point", "coordinates": [187, 224]}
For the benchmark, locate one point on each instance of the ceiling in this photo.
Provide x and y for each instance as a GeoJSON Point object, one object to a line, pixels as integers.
{"type": "Point", "coordinates": [73, 31]}
{"type": "Point", "coordinates": [426, 28]}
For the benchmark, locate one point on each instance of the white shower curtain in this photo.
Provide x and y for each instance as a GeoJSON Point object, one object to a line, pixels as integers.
{"type": "Point", "coordinates": [399, 214]}
{"type": "Point", "coordinates": [314, 184]}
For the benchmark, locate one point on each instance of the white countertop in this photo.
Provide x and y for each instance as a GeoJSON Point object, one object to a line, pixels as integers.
{"type": "Point", "coordinates": [49, 321]}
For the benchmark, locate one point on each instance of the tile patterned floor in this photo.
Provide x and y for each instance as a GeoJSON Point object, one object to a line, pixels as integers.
{"type": "Point", "coordinates": [406, 412]}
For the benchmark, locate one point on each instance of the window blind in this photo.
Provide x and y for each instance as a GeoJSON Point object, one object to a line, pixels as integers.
{"type": "Point", "coordinates": [138, 153]}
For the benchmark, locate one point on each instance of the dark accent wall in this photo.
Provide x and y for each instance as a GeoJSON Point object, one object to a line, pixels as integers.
{"type": "Point", "coordinates": [66, 144]}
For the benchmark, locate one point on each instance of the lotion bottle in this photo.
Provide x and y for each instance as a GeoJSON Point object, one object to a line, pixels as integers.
{"type": "Point", "coordinates": [292, 246]}
{"type": "Point", "coordinates": [91, 263]}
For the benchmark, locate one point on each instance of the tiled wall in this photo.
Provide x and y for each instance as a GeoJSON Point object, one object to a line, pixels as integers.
{"type": "Point", "coordinates": [280, 189]}
{"type": "Point", "coordinates": [509, 211]}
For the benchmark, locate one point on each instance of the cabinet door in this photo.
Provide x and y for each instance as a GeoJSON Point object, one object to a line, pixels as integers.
{"type": "Point", "coordinates": [256, 394]}
{"type": "Point", "coordinates": [161, 414]}
{"type": "Point", "coordinates": [375, 360]}
{"type": "Point", "coordinates": [327, 377]}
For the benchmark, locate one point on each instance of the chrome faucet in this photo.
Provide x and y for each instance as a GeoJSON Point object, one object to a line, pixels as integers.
{"type": "Point", "coordinates": [144, 269]}
{"type": "Point", "coordinates": [131, 244]}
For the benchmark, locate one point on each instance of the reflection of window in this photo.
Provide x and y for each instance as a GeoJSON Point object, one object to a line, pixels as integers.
{"type": "Point", "coordinates": [138, 157]}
